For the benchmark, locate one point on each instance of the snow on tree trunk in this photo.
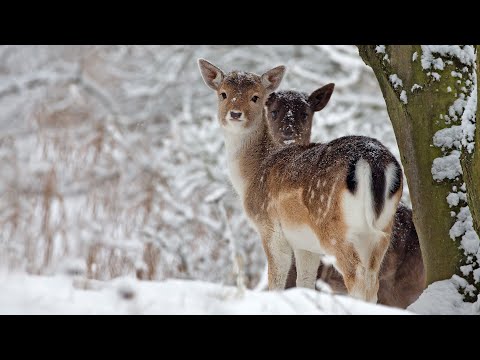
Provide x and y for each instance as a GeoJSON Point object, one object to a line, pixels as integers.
{"type": "Point", "coordinates": [431, 94]}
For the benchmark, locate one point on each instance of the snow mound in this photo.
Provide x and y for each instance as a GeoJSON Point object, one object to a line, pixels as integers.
{"type": "Point", "coordinates": [27, 294]}
{"type": "Point", "coordinates": [443, 298]}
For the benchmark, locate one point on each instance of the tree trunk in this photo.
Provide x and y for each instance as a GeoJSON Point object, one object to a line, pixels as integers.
{"type": "Point", "coordinates": [417, 106]}
{"type": "Point", "coordinates": [471, 167]}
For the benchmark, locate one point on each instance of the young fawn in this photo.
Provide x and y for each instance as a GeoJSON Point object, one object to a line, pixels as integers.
{"type": "Point", "coordinates": [337, 199]}
{"type": "Point", "coordinates": [402, 274]}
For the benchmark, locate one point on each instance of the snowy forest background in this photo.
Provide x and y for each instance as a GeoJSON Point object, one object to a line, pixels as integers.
{"type": "Point", "coordinates": [112, 160]}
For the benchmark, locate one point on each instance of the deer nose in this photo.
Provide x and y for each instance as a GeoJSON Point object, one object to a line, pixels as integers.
{"type": "Point", "coordinates": [288, 131]}
{"type": "Point", "coordinates": [235, 115]}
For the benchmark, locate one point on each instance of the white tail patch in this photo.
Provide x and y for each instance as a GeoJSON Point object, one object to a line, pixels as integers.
{"type": "Point", "coordinates": [358, 207]}
{"type": "Point", "coordinates": [359, 213]}
{"type": "Point", "coordinates": [390, 204]}
{"type": "Point", "coordinates": [363, 197]}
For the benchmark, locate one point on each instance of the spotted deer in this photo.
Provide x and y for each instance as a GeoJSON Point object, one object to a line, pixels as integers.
{"type": "Point", "coordinates": [337, 198]}
{"type": "Point", "coordinates": [402, 273]}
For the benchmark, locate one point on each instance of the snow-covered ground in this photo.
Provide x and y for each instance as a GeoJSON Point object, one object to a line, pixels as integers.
{"type": "Point", "coordinates": [443, 298]}
{"type": "Point", "coordinates": [62, 294]}
{"type": "Point", "coordinates": [27, 294]}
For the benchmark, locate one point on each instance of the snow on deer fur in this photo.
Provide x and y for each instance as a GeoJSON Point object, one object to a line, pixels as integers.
{"type": "Point", "coordinates": [350, 216]}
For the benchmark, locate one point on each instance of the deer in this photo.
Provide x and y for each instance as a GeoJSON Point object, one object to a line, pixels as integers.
{"type": "Point", "coordinates": [336, 199]}
{"type": "Point", "coordinates": [402, 273]}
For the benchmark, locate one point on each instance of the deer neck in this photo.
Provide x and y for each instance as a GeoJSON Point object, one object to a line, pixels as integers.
{"type": "Point", "coordinates": [245, 153]}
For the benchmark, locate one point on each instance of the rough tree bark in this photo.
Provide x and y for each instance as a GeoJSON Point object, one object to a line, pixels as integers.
{"type": "Point", "coordinates": [471, 167]}
{"type": "Point", "coordinates": [415, 106]}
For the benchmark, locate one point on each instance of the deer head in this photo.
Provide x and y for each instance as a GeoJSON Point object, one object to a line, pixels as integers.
{"type": "Point", "coordinates": [290, 114]}
{"type": "Point", "coordinates": [241, 96]}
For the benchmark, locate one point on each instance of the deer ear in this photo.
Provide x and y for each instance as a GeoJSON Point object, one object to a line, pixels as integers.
{"type": "Point", "coordinates": [272, 78]}
{"type": "Point", "coordinates": [212, 75]}
{"type": "Point", "coordinates": [320, 97]}
{"type": "Point", "coordinates": [271, 99]}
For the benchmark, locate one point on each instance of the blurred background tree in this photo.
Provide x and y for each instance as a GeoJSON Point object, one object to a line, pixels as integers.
{"type": "Point", "coordinates": [112, 163]}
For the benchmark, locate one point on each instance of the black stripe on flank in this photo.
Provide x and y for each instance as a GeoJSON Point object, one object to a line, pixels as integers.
{"type": "Point", "coordinates": [351, 178]}
{"type": "Point", "coordinates": [378, 187]}
{"type": "Point", "coordinates": [395, 186]}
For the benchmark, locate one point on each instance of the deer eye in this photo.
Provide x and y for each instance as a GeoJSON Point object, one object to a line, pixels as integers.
{"type": "Point", "coordinates": [224, 96]}
{"type": "Point", "coordinates": [255, 98]}
{"type": "Point", "coordinates": [274, 113]}
{"type": "Point", "coordinates": [304, 115]}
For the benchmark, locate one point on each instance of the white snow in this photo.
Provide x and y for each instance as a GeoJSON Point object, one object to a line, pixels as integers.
{"type": "Point", "coordinates": [395, 80]}
{"type": "Point", "coordinates": [416, 87]}
{"type": "Point", "coordinates": [464, 227]}
{"type": "Point", "coordinates": [28, 294]}
{"type": "Point", "coordinates": [453, 199]}
{"type": "Point", "coordinates": [442, 297]}
{"type": "Point", "coordinates": [468, 118]}
{"type": "Point", "coordinates": [414, 56]}
{"type": "Point", "coordinates": [381, 49]}
{"type": "Point", "coordinates": [447, 167]}
{"type": "Point", "coordinates": [456, 74]}
{"type": "Point", "coordinates": [476, 275]}
{"type": "Point", "coordinates": [466, 269]}
{"type": "Point", "coordinates": [448, 137]}
{"type": "Point", "coordinates": [215, 195]}
{"type": "Point", "coordinates": [466, 55]}
{"type": "Point", "coordinates": [31, 294]}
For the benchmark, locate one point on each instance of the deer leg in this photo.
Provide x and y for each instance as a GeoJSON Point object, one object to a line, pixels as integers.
{"type": "Point", "coordinates": [307, 266]}
{"type": "Point", "coordinates": [375, 262]}
{"type": "Point", "coordinates": [349, 263]}
{"type": "Point", "coordinates": [279, 258]}
{"type": "Point", "coordinates": [365, 284]}
{"type": "Point", "coordinates": [362, 276]}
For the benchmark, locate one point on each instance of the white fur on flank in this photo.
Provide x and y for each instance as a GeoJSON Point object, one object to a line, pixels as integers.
{"type": "Point", "coordinates": [302, 238]}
